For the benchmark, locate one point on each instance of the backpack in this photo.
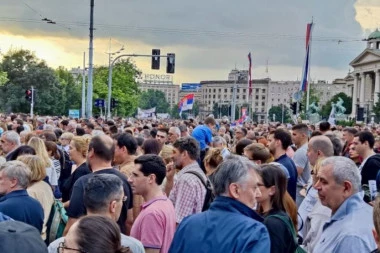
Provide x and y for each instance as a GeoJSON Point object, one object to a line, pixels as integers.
{"type": "Point", "coordinates": [209, 198]}
{"type": "Point", "coordinates": [57, 222]}
{"type": "Point", "coordinates": [290, 227]}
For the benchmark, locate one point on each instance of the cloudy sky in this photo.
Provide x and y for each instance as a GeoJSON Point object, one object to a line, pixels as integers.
{"type": "Point", "coordinates": [209, 38]}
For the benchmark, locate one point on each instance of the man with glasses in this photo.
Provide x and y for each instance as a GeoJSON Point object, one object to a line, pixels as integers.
{"type": "Point", "coordinates": [99, 159]}
{"type": "Point", "coordinates": [156, 223]}
{"type": "Point", "coordinates": [10, 140]}
{"type": "Point", "coordinates": [106, 203]}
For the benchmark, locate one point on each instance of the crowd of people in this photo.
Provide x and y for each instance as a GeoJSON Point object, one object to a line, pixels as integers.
{"type": "Point", "coordinates": [128, 185]}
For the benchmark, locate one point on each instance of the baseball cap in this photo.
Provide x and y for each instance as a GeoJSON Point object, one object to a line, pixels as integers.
{"type": "Point", "coordinates": [16, 236]}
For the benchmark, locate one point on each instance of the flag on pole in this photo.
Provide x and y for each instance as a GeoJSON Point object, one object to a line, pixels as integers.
{"type": "Point", "coordinates": [186, 103]}
{"type": "Point", "coordinates": [305, 72]}
{"type": "Point", "coordinates": [250, 74]}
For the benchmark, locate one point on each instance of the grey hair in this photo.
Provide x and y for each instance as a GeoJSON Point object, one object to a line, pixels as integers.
{"type": "Point", "coordinates": [17, 170]}
{"type": "Point", "coordinates": [12, 136]}
{"type": "Point", "coordinates": [219, 140]}
{"type": "Point", "coordinates": [344, 169]}
{"type": "Point", "coordinates": [111, 188]}
{"type": "Point", "coordinates": [234, 169]}
{"type": "Point", "coordinates": [176, 130]}
{"type": "Point", "coordinates": [48, 127]}
{"type": "Point", "coordinates": [322, 143]}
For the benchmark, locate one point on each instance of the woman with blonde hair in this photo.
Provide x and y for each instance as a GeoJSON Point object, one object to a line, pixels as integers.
{"type": "Point", "coordinates": [78, 152]}
{"type": "Point", "coordinates": [39, 146]}
{"type": "Point", "coordinates": [65, 140]}
{"type": "Point", "coordinates": [212, 160]}
{"type": "Point", "coordinates": [38, 188]}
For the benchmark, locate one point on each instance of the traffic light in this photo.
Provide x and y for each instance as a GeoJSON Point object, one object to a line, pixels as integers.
{"type": "Point", "coordinates": [293, 106]}
{"type": "Point", "coordinates": [28, 95]}
{"type": "Point", "coordinates": [156, 59]}
{"type": "Point", "coordinates": [114, 103]}
{"type": "Point", "coordinates": [170, 66]}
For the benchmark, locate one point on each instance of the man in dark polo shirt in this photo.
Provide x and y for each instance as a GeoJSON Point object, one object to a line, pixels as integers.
{"type": "Point", "coordinates": [16, 203]}
{"type": "Point", "coordinates": [279, 141]}
{"type": "Point", "coordinates": [99, 158]}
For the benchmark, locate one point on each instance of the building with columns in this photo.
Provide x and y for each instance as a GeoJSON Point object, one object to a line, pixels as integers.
{"type": "Point", "coordinates": [366, 75]}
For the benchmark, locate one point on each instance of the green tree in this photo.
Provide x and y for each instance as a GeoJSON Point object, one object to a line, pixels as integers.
{"type": "Point", "coordinates": [124, 86]}
{"type": "Point", "coordinates": [326, 109]}
{"type": "Point", "coordinates": [3, 78]}
{"type": "Point", "coordinates": [25, 70]}
{"type": "Point", "coordinates": [154, 98]}
{"type": "Point", "coordinates": [71, 90]}
{"type": "Point", "coordinates": [376, 107]}
{"type": "Point", "coordinates": [277, 111]}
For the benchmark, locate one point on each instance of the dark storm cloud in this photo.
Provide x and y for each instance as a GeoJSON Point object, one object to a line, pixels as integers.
{"type": "Point", "coordinates": [218, 33]}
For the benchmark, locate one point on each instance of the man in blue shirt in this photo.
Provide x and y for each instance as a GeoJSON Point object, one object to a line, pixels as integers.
{"type": "Point", "coordinates": [230, 225]}
{"type": "Point", "coordinates": [203, 134]}
{"type": "Point", "coordinates": [279, 141]}
{"type": "Point", "coordinates": [16, 203]}
{"type": "Point", "coordinates": [350, 226]}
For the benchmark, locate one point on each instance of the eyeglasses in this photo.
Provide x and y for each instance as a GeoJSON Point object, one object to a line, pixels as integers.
{"type": "Point", "coordinates": [62, 247]}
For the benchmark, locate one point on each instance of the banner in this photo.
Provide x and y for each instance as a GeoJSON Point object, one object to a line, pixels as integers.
{"type": "Point", "coordinates": [250, 74]}
{"type": "Point", "coordinates": [146, 113]}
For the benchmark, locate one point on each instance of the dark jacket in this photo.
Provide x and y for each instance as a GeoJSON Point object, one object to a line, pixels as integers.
{"type": "Point", "coordinates": [281, 237]}
{"type": "Point", "coordinates": [21, 207]}
{"type": "Point", "coordinates": [228, 226]}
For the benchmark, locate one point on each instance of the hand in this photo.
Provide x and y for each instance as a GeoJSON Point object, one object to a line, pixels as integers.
{"type": "Point", "coordinates": [170, 171]}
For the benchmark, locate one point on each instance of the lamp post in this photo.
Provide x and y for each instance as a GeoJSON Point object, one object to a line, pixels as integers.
{"type": "Point", "coordinates": [110, 54]}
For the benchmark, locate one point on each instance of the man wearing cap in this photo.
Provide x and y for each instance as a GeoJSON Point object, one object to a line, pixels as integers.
{"type": "Point", "coordinates": [16, 237]}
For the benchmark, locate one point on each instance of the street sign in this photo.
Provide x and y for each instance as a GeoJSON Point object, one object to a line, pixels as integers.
{"type": "Point", "coordinates": [99, 102]}
{"type": "Point", "coordinates": [74, 113]}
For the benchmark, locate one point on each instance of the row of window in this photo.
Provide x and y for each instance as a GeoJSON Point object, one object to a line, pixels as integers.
{"type": "Point", "coordinates": [238, 90]}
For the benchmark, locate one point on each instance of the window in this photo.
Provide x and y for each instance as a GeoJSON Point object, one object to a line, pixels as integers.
{"type": "Point", "coordinates": [220, 90]}
{"type": "Point", "coordinates": [257, 90]}
{"type": "Point", "coordinates": [225, 90]}
{"type": "Point", "coordinates": [214, 90]}
{"type": "Point", "coordinates": [238, 90]}
{"type": "Point", "coordinates": [257, 97]}
{"type": "Point", "coordinates": [263, 97]}
{"type": "Point", "coordinates": [262, 103]}
{"type": "Point", "coordinates": [244, 90]}
{"type": "Point", "coordinates": [243, 96]}
{"type": "Point", "coordinates": [213, 96]}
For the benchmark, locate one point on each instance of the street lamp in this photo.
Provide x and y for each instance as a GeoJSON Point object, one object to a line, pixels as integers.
{"type": "Point", "coordinates": [110, 54]}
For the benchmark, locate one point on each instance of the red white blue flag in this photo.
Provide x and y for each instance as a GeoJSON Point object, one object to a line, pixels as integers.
{"type": "Point", "coordinates": [306, 67]}
{"type": "Point", "coordinates": [186, 103]}
{"type": "Point", "coordinates": [250, 74]}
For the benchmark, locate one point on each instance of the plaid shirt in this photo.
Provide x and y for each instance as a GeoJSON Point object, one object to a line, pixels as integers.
{"type": "Point", "coordinates": [188, 193]}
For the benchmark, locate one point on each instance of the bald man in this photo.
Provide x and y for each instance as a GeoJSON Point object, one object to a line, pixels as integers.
{"type": "Point", "coordinates": [99, 159]}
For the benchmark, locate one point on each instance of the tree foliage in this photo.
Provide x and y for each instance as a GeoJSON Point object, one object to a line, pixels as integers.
{"type": "Point", "coordinates": [124, 86]}
{"type": "Point", "coordinates": [154, 98]}
{"type": "Point", "coordinates": [326, 109]}
{"type": "Point", "coordinates": [376, 107]}
{"type": "Point", "coordinates": [277, 111]}
{"type": "Point", "coordinates": [25, 70]}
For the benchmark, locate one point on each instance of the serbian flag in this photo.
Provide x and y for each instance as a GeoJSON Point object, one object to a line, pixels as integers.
{"type": "Point", "coordinates": [306, 67]}
{"type": "Point", "coordinates": [186, 103]}
{"type": "Point", "coordinates": [250, 74]}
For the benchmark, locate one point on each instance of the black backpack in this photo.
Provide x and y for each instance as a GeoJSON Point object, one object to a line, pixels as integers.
{"type": "Point", "coordinates": [209, 198]}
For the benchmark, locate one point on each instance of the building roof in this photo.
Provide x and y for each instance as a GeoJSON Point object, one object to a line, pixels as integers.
{"type": "Point", "coordinates": [374, 35]}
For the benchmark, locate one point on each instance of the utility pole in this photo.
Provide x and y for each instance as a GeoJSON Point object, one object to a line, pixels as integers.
{"type": "Point", "coordinates": [233, 107]}
{"type": "Point", "coordinates": [90, 62]}
{"type": "Point", "coordinates": [110, 77]}
{"type": "Point", "coordinates": [32, 104]}
{"type": "Point", "coordinates": [83, 110]}
{"type": "Point", "coordinates": [282, 114]}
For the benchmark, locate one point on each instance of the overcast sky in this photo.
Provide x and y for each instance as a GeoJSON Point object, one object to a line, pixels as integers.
{"type": "Point", "coordinates": [209, 38]}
